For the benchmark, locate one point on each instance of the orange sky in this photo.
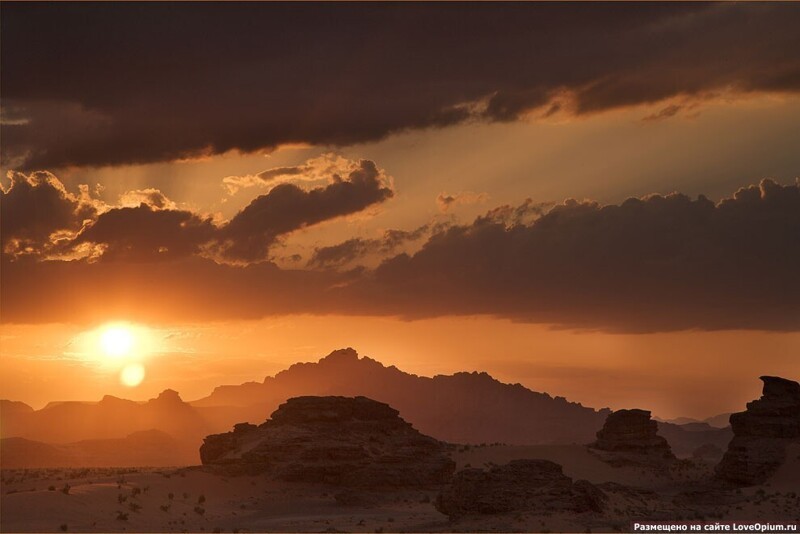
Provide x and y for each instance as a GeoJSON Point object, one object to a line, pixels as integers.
{"type": "Point", "coordinates": [682, 374]}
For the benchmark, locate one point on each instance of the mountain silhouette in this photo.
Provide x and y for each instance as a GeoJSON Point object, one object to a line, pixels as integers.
{"type": "Point", "coordinates": [460, 408]}
{"type": "Point", "coordinates": [468, 408]}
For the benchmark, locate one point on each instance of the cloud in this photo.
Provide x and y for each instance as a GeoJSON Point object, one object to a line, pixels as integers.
{"type": "Point", "coordinates": [153, 83]}
{"type": "Point", "coordinates": [149, 197]}
{"type": "Point", "coordinates": [287, 208]}
{"type": "Point", "coordinates": [40, 217]}
{"type": "Point", "coordinates": [657, 263]}
{"type": "Point", "coordinates": [36, 210]}
{"type": "Point", "coordinates": [347, 252]}
{"type": "Point", "coordinates": [145, 233]}
{"type": "Point", "coordinates": [326, 167]}
{"type": "Point", "coordinates": [447, 201]}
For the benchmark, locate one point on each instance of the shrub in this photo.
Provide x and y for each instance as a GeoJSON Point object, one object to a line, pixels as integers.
{"type": "Point", "coordinates": [199, 510]}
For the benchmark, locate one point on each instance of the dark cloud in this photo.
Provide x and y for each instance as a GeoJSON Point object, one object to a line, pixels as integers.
{"type": "Point", "coordinates": [147, 226]}
{"type": "Point", "coordinates": [349, 251]}
{"type": "Point", "coordinates": [36, 206]}
{"type": "Point", "coordinates": [651, 264]}
{"type": "Point", "coordinates": [659, 263]}
{"type": "Point", "coordinates": [145, 233]}
{"type": "Point", "coordinates": [93, 84]}
{"type": "Point", "coordinates": [287, 208]}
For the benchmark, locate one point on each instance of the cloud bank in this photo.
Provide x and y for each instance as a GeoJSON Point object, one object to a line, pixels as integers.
{"type": "Point", "coordinates": [117, 84]}
{"type": "Point", "coordinates": [41, 218]}
{"type": "Point", "coordinates": [658, 263]}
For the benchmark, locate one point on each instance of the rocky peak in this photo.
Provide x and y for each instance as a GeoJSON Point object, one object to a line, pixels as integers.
{"type": "Point", "coordinates": [347, 355]}
{"type": "Point", "coordinates": [310, 409]}
{"type": "Point", "coordinates": [168, 396]}
{"type": "Point", "coordinates": [779, 390]}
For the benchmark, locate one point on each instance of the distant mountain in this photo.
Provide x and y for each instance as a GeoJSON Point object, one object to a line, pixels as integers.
{"type": "Point", "coordinates": [717, 421]}
{"type": "Point", "coordinates": [686, 439]}
{"type": "Point", "coordinates": [461, 408]}
{"type": "Point", "coordinates": [111, 418]}
{"type": "Point", "coordinates": [144, 448]}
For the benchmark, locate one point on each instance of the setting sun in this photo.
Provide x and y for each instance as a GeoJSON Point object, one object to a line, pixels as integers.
{"type": "Point", "coordinates": [117, 340]}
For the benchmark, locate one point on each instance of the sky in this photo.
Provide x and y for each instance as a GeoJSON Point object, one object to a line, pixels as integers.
{"type": "Point", "coordinates": [597, 201]}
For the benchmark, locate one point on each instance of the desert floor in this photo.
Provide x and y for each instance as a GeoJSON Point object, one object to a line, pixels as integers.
{"type": "Point", "coordinates": [191, 500]}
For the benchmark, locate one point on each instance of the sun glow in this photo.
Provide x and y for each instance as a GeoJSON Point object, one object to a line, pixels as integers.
{"type": "Point", "coordinates": [132, 375]}
{"type": "Point", "coordinates": [118, 348]}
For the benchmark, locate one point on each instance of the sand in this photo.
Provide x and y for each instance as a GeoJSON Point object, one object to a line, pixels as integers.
{"type": "Point", "coordinates": [137, 500]}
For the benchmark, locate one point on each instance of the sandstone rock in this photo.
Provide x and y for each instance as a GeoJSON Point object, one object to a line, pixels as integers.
{"type": "Point", "coordinates": [337, 440]}
{"type": "Point", "coordinates": [630, 437]}
{"type": "Point", "coordinates": [519, 486]}
{"type": "Point", "coordinates": [762, 433]}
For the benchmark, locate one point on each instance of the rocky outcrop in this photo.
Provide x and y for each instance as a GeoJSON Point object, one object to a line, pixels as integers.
{"type": "Point", "coordinates": [762, 433]}
{"type": "Point", "coordinates": [519, 486]}
{"type": "Point", "coordinates": [337, 440]}
{"type": "Point", "coordinates": [630, 437]}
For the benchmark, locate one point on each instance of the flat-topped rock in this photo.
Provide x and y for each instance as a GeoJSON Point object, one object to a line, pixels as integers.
{"type": "Point", "coordinates": [762, 433]}
{"type": "Point", "coordinates": [519, 486]}
{"type": "Point", "coordinates": [631, 436]}
{"type": "Point", "coordinates": [338, 440]}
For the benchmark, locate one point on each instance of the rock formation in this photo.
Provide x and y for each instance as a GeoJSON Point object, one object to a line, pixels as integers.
{"type": "Point", "coordinates": [762, 433]}
{"type": "Point", "coordinates": [337, 440]}
{"type": "Point", "coordinates": [519, 486]}
{"type": "Point", "coordinates": [630, 437]}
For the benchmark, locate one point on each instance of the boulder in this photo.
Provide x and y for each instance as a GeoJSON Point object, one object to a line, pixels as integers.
{"type": "Point", "coordinates": [519, 486]}
{"type": "Point", "coordinates": [761, 433]}
{"type": "Point", "coordinates": [355, 442]}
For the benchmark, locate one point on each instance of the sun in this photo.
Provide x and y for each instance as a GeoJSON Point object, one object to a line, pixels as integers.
{"type": "Point", "coordinates": [117, 340]}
